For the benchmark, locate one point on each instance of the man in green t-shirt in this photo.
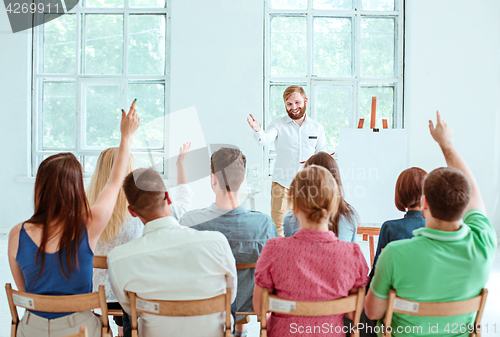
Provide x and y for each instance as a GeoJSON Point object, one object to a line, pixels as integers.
{"type": "Point", "coordinates": [448, 260]}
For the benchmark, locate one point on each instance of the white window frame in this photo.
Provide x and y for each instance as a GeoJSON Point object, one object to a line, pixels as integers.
{"type": "Point", "coordinates": [311, 80]}
{"type": "Point", "coordinates": [81, 80]}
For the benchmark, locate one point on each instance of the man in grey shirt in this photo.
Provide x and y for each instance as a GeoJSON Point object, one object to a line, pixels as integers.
{"type": "Point", "coordinates": [246, 231]}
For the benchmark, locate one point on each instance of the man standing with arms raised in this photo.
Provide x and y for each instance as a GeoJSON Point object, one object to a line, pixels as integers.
{"type": "Point", "coordinates": [296, 137]}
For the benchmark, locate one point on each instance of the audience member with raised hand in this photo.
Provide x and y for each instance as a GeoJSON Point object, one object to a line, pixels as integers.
{"type": "Point", "coordinates": [313, 264]}
{"type": "Point", "coordinates": [52, 252]}
{"type": "Point", "coordinates": [246, 231]}
{"type": "Point", "coordinates": [432, 266]}
{"type": "Point", "coordinates": [344, 223]}
{"type": "Point", "coordinates": [169, 262]}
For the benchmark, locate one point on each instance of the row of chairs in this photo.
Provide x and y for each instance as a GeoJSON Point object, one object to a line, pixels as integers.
{"type": "Point", "coordinates": [270, 303]}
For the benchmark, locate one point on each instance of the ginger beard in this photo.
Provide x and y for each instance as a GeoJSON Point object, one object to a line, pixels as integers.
{"type": "Point", "coordinates": [297, 113]}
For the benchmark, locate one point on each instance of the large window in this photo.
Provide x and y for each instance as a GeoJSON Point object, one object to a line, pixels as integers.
{"type": "Point", "coordinates": [343, 52]}
{"type": "Point", "coordinates": [90, 63]}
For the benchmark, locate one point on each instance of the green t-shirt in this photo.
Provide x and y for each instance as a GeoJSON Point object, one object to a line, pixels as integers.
{"type": "Point", "coordinates": [437, 266]}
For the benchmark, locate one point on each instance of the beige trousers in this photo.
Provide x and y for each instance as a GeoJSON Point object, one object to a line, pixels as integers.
{"type": "Point", "coordinates": [35, 326]}
{"type": "Point", "coordinates": [279, 205]}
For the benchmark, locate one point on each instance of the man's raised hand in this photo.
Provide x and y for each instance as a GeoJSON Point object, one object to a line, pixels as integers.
{"type": "Point", "coordinates": [253, 123]}
{"type": "Point", "coordinates": [442, 133]}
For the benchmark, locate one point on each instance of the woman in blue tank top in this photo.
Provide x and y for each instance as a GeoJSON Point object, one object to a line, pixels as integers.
{"type": "Point", "coordinates": [52, 252]}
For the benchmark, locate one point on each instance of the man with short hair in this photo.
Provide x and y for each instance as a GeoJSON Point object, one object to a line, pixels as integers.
{"type": "Point", "coordinates": [447, 260]}
{"type": "Point", "coordinates": [170, 262]}
{"type": "Point", "coordinates": [297, 137]}
{"type": "Point", "coordinates": [246, 231]}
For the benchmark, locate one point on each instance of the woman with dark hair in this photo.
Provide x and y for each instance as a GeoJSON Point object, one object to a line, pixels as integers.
{"type": "Point", "coordinates": [407, 198]}
{"type": "Point", "coordinates": [52, 252]}
{"type": "Point", "coordinates": [345, 222]}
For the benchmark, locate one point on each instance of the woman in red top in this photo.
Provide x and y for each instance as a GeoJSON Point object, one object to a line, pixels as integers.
{"type": "Point", "coordinates": [313, 264]}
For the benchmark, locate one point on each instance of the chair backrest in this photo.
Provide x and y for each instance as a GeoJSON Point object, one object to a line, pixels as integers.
{"type": "Point", "coordinates": [245, 265]}
{"type": "Point", "coordinates": [100, 262]}
{"type": "Point", "coordinates": [207, 306]}
{"type": "Point", "coordinates": [46, 303]}
{"type": "Point", "coordinates": [436, 309]}
{"type": "Point", "coordinates": [273, 303]}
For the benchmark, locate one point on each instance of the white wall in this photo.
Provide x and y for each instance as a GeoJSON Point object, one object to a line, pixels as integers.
{"type": "Point", "coordinates": [452, 64]}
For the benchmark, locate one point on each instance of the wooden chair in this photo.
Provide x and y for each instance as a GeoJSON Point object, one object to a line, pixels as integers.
{"type": "Point", "coordinates": [436, 309]}
{"type": "Point", "coordinates": [45, 303]}
{"type": "Point", "coordinates": [339, 306]}
{"type": "Point", "coordinates": [82, 333]}
{"type": "Point", "coordinates": [368, 233]}
{"type": "Point", "coordinates": [101, 262]}
{"type": "Point", "coordinates": [246, 319]}
{"type": "Point", "coordinates": [207, 306]}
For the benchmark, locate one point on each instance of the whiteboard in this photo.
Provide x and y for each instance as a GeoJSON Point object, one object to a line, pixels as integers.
{"type": "Point", "coordinates": [370, 163]}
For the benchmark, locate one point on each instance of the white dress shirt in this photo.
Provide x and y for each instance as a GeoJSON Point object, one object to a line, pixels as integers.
{"type": "Point", "coordinates": [173, 262]}
{"type": "Point", "coordinates": [294, 144]}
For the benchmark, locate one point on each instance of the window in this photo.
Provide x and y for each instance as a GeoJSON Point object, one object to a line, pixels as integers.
{"type": "Point", "coordinates": [92, 62]}
{"type": "Point", "coordinates": [343, 52]}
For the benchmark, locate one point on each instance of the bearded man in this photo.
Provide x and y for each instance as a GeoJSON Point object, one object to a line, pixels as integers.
{"type": "Point", "coordinates": [296, 137]}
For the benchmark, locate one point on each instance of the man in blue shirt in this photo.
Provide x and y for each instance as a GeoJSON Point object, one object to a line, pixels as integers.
{"type": "Point", "coordinates": [246, 231]}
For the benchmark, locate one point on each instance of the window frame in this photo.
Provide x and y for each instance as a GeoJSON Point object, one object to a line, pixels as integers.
{"type": "Point", "coordinates": [357, 82]}
{"type": "Point", "coordinates": [80, 79]}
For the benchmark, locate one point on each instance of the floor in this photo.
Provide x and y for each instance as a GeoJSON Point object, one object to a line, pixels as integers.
{"type": "Point", "coordinates": [491, 316]}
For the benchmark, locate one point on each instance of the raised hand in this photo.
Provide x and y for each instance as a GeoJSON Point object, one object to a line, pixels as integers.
{"type": "Point", "coordinates": [182, 152]}
{"type": "Point", "coordinates": [442, 133]}
{"type": "Point", "coordinates": [130, 122]}
{"type": "Point", "coordinates": [253, 123]}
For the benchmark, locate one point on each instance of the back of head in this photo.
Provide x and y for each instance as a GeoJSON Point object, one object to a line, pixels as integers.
{"type": "Point", "coordinates": [229, 166]}
{"type": "Point", "coordinates": [145, 192]}
{"type": "Point", "coordinates": [314, 192]}
{"type": "Point", "coordinates": [292, 89]}
{"type": "Point", "coordinates": [325, 160]}
{"type": "Point", "coordinates": [60, 199]}
{"type": "Point", "coordinates": [409, 188]}
{"type": "Point", "coordinates": [447, 191]}
{"type": "Point", "coordinates": [99, 179]}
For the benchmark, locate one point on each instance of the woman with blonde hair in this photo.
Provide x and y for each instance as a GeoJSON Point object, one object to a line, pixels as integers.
{"type": "Point", "coordinates": [122, 227]}
{"type": "Point", "coordinates": [313, 264]}
{"type": "Point", "coordinates": [52, 252]}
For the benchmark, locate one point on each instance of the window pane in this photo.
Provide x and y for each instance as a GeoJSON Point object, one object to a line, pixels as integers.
{"type": "Point", "coordinates": [59, 45]}
{"type": "Point", "coordinates": [144, 161]}
{"type": "Point", "coordinates": [58, 116]}
{"type": "Point", "coordinates": [288, 4]}
{"type": "Point", "coordinates": [146, 45]}
{"type": "Point", "coordinates": [378, 5]}
{"type": "Point", "coordinates": [147, 3]}
{"type": "Point", "coordinates": [104, 44]}
{"type": "Point", "coordinates": [333, 106]}
{"type": "Point", "coordinates": [332, 4]}
{"type": "Point", "coordinates": [385, 105]}
{"type": "Point", "coordinates": [104, 3]}
{"type": "Point", "coordinates": [288, 46]}
{"type": "Point", "coordinates": [102, 115]}
{"type": "Point", "coordinates": [332, 47]}
{"type": "Point", "coordinates": [377, 47]}
{"type": "Point", "coordinates": [151, 109]}
{"type": "Point", "coordinates": [89, 163]}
